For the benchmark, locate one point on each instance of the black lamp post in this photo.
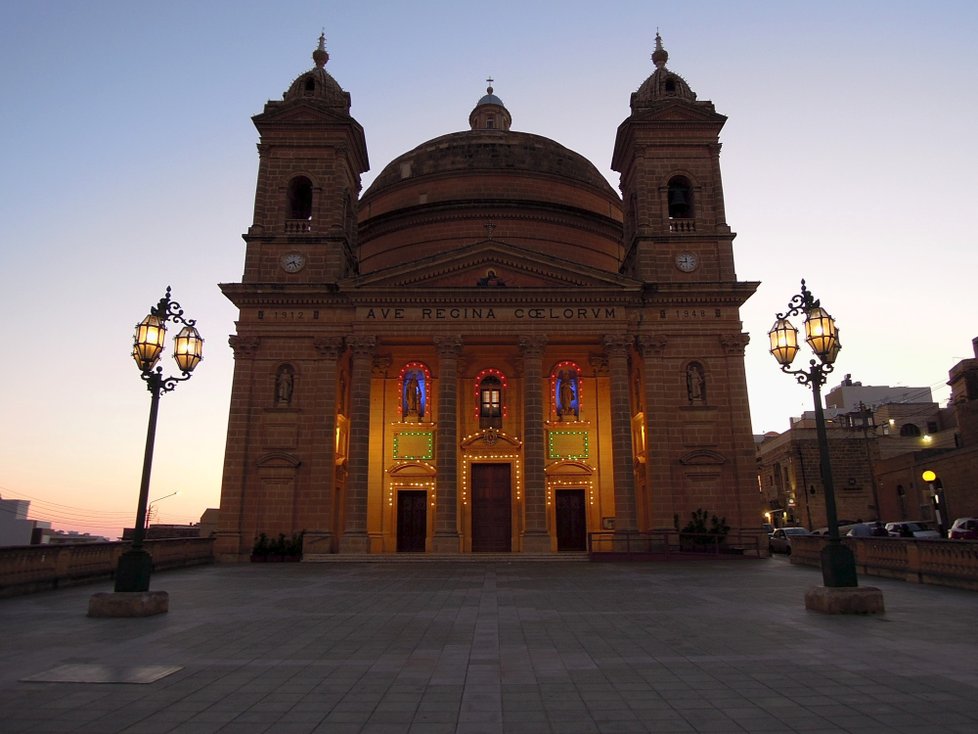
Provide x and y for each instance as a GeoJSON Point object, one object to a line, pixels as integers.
{"type": "Point", "coordinates": [135, 565]}
{"type": "Point", "coordinates": [822, 335]}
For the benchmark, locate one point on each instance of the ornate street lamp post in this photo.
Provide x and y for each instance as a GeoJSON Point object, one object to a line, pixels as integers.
{"type": "Point", "coordinates": [822, 335]}
{"type": "Point", "coordinates": [135, 565]}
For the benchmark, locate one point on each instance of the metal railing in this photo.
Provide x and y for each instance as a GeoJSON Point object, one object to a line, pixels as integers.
{"type": "Point", "coordinates": [662, 545]}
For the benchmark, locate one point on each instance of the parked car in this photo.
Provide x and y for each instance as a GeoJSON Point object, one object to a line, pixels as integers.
{"type": "Point", "coordinates": [908, 529]}
{"type": "Point", "coordinates": [780, 540]}
{"type": "Point", "coordinates": [844, 527]}
{"type": "Point", "coordinates": [873, 529]}
{"type": "Point", "coordinates": [964, 528]}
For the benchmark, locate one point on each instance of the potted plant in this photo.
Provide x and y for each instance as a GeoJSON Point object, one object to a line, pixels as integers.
{"type": "Point", "coordinates": [697, 535]}
{"type": "Point", "coordinates": [261, 549]}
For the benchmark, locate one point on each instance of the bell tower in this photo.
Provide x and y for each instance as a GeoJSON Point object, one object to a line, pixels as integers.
{"type": "Point", "coordinates": [284, 458]}
{"type": "Point", "coordinates": [668, 154]}
{"type": "Point", "coordinates": [311, 154]}
{"type": "Point", "coordinates": [692, 405]}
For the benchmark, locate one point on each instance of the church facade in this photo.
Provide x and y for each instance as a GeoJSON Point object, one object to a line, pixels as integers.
{"type": "Point", "coordinates": [490, 349]}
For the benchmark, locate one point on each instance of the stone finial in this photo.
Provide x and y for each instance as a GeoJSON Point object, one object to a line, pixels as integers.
{"type": "Point", "coordinates": [319, 56]}
{"type": "Point", "coordinates": [660, 56]}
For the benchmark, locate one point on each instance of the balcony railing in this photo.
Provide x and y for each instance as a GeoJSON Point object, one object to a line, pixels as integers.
{"type": "Point", "coordinates": [682, 225]}
{"type": "Point", "coordinates": [663, 545]}
{"type": "Point", "coordinates": [298, 226]}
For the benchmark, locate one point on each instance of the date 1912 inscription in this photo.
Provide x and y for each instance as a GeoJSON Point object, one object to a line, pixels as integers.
{"type": "Point", "coordinates": [288, 315]}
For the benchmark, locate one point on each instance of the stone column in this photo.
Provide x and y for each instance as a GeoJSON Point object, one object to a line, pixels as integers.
{"type": "Point", "coordinates": [447, 538]}
{"type": "Point", "coordinates": [535, 536]}
{"type": "Point", "coordinates": [658, 481]}
{"type": "Point", "coordinates": [229, 544]}
{"type": "Point", "coordinates": [742, 451]}
{"type": "Point", "coordinates": [354, 538]}
{"type": "Point", "coordinates": [616, 347]}
{"type": "Point", "coordinates": [319, 533]}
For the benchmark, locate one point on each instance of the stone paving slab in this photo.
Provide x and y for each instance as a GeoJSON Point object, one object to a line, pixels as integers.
{"type": "Point", "coordinates": [499, 647]}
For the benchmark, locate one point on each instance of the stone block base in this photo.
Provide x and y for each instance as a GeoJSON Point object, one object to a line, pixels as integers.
{"type": "Point", "coordinates": [354, 543]}
{"type": "Point", "coordinates": [315, 541]}
{"type": "Point", "coordinates": [536, 542]}
{"type": "Point", "coordinates": [445, 543]}
{"type": "Point", "coordinates": [128, 604]}
{"type": "Point", "coordinates": [844, 600]}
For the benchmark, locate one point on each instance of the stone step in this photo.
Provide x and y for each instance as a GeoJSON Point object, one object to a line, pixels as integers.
{"type": "Point", "coordinates": [444, 557]}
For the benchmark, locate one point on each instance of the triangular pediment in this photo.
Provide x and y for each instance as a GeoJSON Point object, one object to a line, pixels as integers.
{"type": "Point", "coordinates": [491, 265]}
{"type": "Point", "coordinates": [299, 112]}
{"type": "Point", "coordinates": [675, 110]}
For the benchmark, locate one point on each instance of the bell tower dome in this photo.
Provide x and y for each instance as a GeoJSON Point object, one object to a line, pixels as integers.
{"type": "Point", "coordinates": [311, 154]}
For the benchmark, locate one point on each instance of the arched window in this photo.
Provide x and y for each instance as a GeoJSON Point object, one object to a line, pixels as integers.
{"type": "Point", "coordinates": [680, 198]}
{"type": "Point", "coordinates": [310, 85]}
{"type": "Point", "coordinates": [909, 429]}
{"type": "Point", "coordinates": [491, 402]}
{"type": "Point", "coordinates": [489, 393]}
{"type": "Point", "coordinates": [300, 198]}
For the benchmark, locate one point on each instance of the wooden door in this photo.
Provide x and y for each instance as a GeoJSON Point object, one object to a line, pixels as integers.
{"type": "Point", "coordinates": [571, 518]}
{"type": "Point", "coordinates": [412, 521]}
{"type": "Point", "coordinates": [492, 511]}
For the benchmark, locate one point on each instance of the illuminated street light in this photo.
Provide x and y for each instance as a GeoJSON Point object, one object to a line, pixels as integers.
{"type": "Point", "coordinates": [135, 565]}
{"type": "Point", "coordinates": [822, 336]}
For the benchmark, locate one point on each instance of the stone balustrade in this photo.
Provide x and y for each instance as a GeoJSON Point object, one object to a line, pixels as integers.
{"type": "Point", "coordinates": [28, 568]}
{"type": "Point", "coordinates": [918, 560]}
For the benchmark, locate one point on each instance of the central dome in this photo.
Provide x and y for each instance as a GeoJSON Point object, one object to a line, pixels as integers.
{"type": "Point", "coordinates": [534, 193]}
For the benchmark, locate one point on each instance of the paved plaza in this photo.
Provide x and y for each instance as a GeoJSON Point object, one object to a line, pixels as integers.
{"type": "Point", "coordinates": [696, 646]}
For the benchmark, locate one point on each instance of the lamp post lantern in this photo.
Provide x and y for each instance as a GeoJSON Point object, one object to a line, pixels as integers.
{"type": "Point", "coordinates": [822, 336]}
{"type": "Point", "coordinates": [135, 565]}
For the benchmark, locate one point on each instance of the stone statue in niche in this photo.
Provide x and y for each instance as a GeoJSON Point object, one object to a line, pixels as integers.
{"type": "Point", "coordinates": [695, 383]}
{"type": "Point", "coordinates": [284, 385]}
{"type": "Point", "coordinates": [412, 408]}
{"type": "Point", "coordinates": [566, 395]}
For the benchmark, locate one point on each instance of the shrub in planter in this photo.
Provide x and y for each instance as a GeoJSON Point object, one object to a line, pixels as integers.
{"type": "Point", "coordinates": [698, 535]}
{"type": "Point", "coordinates": [282, 548]}
{"type": "Point", "coordinates": [261, 549]}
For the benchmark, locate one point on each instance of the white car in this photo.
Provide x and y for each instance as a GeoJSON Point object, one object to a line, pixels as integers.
{"type": "Point", "coordinates": [908, 529]}
{"type": "Point", "coordinates": [780, 540]}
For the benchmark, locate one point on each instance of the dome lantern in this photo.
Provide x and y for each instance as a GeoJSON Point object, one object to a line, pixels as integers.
{"type": "Point", "coordinates": [490, 113]}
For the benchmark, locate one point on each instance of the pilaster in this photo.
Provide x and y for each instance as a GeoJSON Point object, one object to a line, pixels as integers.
{"type": "Point", "coordinates": [616, 347]}
{"type": "Point", "coordinates": [319, 535]}
{"type": "Point", "coordinates": [447, 538]}
{"type": "Point", "coordinates": [658, 477]}
{"type": "Point", "coordinates": [354, 538]}
{"type": "Point", "coordinates": [535, 536]}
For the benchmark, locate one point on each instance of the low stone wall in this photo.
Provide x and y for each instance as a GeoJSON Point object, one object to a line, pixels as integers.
{"type": "Point", "coordinates": [28, 568]}
{"type": "Point", "coordinates": [918, 560]}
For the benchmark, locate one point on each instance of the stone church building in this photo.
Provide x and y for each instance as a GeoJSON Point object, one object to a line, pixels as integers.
{"type": "Point", "coordinates": [490, 349]}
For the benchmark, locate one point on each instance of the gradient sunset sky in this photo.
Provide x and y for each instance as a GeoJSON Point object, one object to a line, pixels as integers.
{"type": "Point", "coordinates": [848, 159]}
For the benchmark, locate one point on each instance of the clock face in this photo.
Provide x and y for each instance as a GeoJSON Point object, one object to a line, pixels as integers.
{"type": "Point", "coordinates": [686, 261]}
{"type": "Point", "coordinates": [293, 262]}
